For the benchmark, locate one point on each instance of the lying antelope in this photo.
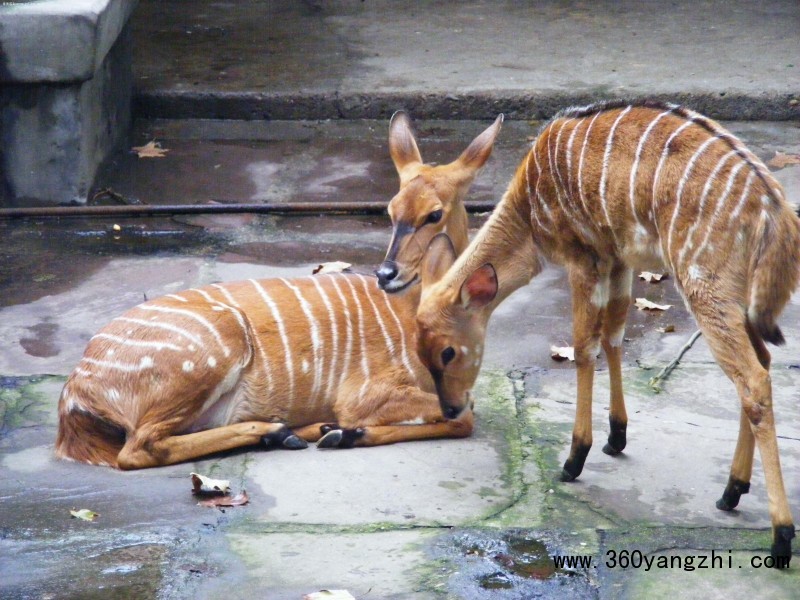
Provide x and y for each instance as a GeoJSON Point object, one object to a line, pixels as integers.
{"type": "Point", "coordinates": [430, 200]}
{"type": "Point", "coordinates": [326, 358]}
{"type": "Point", "coordinates": [613, 187]}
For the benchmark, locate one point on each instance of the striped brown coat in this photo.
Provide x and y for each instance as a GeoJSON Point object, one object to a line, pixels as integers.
{"type": "Point", "coordinates": [614, 187]}
{"type": "Point", "coordinates": [326, 358]}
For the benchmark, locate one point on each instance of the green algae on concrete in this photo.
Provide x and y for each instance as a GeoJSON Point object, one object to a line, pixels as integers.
{"type": "Point", "coordinates": [28, 401]}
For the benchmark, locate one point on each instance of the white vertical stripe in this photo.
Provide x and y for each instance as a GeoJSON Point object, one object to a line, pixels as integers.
{"type": "Point", "coordinates": [316, 340]}
{"type": "Point", "coordinates": [334, 336]}
{"type": "Point", "coordinates": [581, 195]}
{"type": "Point", "coordinates": [348, 352]}
{"type": "Point", "coordinates": [574, 218]}
{"type": "Point", "coordinates": [687, 242]}
{"type": "Point", "coordinates": [663, 159]}
{"type": "Point", "coordinates": [176, 297]}
{"type": "Point", "coordinates": [256, 338]}
{"type": "Point", "coordinates": [387, 339]}
{"type": "Point", "coordinates": [569, 152]}
{"type": "Point", "coordinates": [401, 330]}
{"type": "Point", "coordinates": [743, 198]}
{"type": "Point", "coordinates": [203, 293]}
{"type": "Point", "coordinates": [192, 315]}
{"type": "Point", "coordinates": [679, 194]}
{"type": "Point", "coordinates": [604, 173]}
{"type": "Point", "coordinates": [635, 166]}
{"type": "Point", "coordinates": [361, 335]}
{"type": "Point", "coordinates": [287, 349]}
{"type": "Point", "coordinates": [539, 200]}
{"type": "Point", "coordinates": [558, 171]}
{"type": "Point", "coordinates": [718, 208]}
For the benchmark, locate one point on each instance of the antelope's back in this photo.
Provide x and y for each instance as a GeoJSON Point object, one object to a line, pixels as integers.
{"type": "Point", "coordinates": [650, 182]}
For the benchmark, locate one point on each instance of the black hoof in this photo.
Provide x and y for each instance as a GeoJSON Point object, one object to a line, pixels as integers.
{"type": "Point", "coordinates": [610, 450]}
{"type": "Point", "coordinates": [567, 476]}
{"type": "Point", "coordinates": [733, 491]}
{"type": "Point", "coordinates": [284, 438]}
{"type": "Point", "coordinates": [617, 438]}
{"type": "Point", "coordinates": [574, 465]}
{"type": "Point", "coordinates": [328, 427]}
{"type": "Point", "coordinates": [341, 438]}
{"type": "Point", "coordinates": [782, 546]}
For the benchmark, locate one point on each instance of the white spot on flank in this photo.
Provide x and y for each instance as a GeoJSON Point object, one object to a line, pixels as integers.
{"type": "Point", "coordinates": [464, 350]}
{"type": "Point", "coordinates": [305, 366]}
{"type": "Point", "coordinates": [110, 352]}
{"type": "Point", "coordinates": [695, 272]}
{"type": "Point", "coordinates": [192, 347]}
{"type": "Point", "coordinates": [146, 362]}
{"type": "Point", "coordinates": [188, 366]}
{"type": "Point", "coordinates": [212, 362]}
{"type": "Point", "coordinates": [113, 395]}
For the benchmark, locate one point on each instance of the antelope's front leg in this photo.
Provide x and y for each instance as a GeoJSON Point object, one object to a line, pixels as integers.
{"type": "Point", "coordinates": [387, 414]}
{"type": "Point", "coordinates": [589, 297]}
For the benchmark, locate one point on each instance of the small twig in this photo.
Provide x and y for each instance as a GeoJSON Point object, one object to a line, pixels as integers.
{"type": "Point", "coordinates": [115, 196]}
{"type": "Point", "coordinates": [656, 381]}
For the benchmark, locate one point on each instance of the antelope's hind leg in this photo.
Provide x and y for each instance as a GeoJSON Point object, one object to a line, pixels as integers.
{"type": "Point", "coordinates": [745, 361]}
{"type": "Point", "coordinates": [614, 317]}
{"type": "Point", "coordinates": [146, 449]}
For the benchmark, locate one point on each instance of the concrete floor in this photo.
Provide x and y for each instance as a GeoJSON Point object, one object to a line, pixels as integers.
{"type": "Point", "coordinates": [467, 519]}
{"type": "Point", "coordinates": [440, 519]}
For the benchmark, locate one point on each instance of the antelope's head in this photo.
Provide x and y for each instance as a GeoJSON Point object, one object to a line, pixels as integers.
{"type": "Point", "coordinates": [451, 327]}
{"type": "Point", "coordinates": [430, 201]}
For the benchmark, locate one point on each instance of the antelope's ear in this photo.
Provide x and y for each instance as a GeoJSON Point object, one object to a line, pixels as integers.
{"type": "Point", "coordinates": [402, 145]}
{"type": "Point", "coordinates": [480, 288]}
{"type": "Point", "coordinates": [478, 152]}
{"type": "Point", "coordinates": [439, 257]}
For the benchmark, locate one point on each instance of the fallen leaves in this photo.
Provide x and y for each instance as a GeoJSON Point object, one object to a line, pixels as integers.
{"type": "Point", "coordinates": [562, 353]}
{"type": "Point", "coordinates": [151, 149]}
{"type": "Point", "coordinates": [666, 329]}
{"type": "Point", "coordinates": [84, 514]}
{"type": "Point", "coordinates": [205, 485]}
{"type": "Point", "coordinates": [239, 499]}
{"type": "Point", "coordinates": [781, 160]}
{"type": "Point", "coordinates": [217, 492]}
{"type": "Point", "coordinates": [332, 267]}
{"type": "Point", "coordinates": [645, 304]}
{"type": "Point", "coordinates": [652, 277]}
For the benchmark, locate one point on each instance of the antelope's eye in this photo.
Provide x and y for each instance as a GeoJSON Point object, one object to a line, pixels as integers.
{"type": "Point", "coordinates": [434, 217]}
{"type": "Point", "coordinates": [448, 354]}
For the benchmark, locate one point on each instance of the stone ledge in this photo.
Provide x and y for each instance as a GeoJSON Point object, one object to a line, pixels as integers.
{"type": "Point", "coordinates": [58, 40]}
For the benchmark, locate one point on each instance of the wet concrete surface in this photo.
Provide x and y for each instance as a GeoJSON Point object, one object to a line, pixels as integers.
{"type": "Point", "coordinates": [280, 59]}
{"type": "Point", "coordinates": [440, 519]}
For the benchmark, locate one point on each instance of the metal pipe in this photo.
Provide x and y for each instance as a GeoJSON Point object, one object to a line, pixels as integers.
{"type": "Point", "coordinates": [149, 210]}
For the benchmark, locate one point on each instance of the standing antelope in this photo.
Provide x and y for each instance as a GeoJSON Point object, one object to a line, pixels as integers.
{"type": "Point", "coordinates": [326, 358]}
{"type": "Point", "coordinates": [430, 200]}
{"type": "Point", "coordinates": [613, 187]}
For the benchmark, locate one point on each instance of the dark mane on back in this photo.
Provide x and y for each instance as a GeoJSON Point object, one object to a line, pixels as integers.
{"type": "Point", "coordinates": [579, 112]}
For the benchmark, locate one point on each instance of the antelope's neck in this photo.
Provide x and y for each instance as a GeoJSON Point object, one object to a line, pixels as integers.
{"type": "Point", "coordinates": [505, 242]}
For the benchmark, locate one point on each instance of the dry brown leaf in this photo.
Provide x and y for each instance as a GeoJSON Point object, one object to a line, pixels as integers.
{"type": "Point", "coordinates": [332, 267]}
{"type": "Point", "coordinates": [781, 160]}
{"type": "Point", "coordinates": [561, 353]}
{"type": "Point", "coordinates": [205, 485]}
{"type": "Point", "coordinates": [645, 304]}
{"type": "Point", "coordinates": [652, 277]}
{"type": "Point", "coordinates": [222, 501]}
{"type": "Point", "coordinates": [151, 149]}
{"type": "Point", "coordinates": [666, 329]}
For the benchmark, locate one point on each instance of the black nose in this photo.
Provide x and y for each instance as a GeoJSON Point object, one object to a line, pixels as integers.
{"type": "Point", "coordinates": [386, 272]}
{"type": "Point", "coordinates": [450, 412]}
